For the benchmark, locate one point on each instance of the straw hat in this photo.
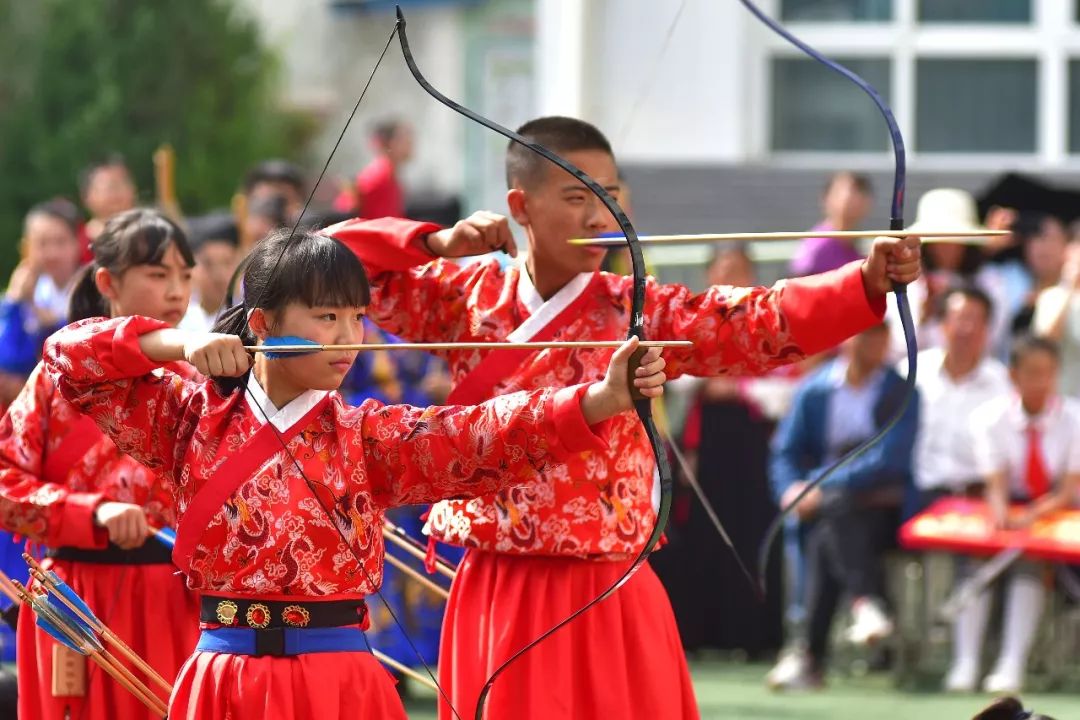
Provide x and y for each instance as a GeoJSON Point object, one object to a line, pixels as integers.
{"type": "Point", "coordinates": [947, 209]}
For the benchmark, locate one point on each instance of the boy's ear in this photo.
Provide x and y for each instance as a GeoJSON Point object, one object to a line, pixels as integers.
{"type": "Point", "coordinates": [515, 200]}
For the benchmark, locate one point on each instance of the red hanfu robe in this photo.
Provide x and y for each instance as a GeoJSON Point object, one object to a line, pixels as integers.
{"type": "Point", "coordinates": [56, 467]}
{"type": "Point", "coordinates": [272, 540]}
{"type": "Point", "coordinates": [541, 551]}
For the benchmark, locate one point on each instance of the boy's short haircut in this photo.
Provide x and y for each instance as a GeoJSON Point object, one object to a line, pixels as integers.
{"type": "Point", "coordinates": [861, 181]}
{"type": "Point", "coordinates": [275, 171]}
{"type": "Point", "coordinates": [216, 227]}
{"type": "Point", "coordinates": [559, 134]}
{"type": "Point", "coordinates": [1026, 345]}
{"type": "Point", "coordinates": [971, 292]}
{"type": "Point", "coordinates": [86, 176]}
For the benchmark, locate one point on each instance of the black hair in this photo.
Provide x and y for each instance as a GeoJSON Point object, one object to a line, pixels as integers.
{"type": "Point", "coordinates": [272, 207]}
{"type": "Point", "coordinates": [57, 209]}
{"type": "Point", "coordinates": [724, 249]}
{"type": "Point", "coordinates": [275, 171]}
{"type": "Point", "coordinates": [385, 130]}
{"type": "Point", "coordinates": [86, 176]}
{"type": "Point", "coordinates": [971, 292]}
{"type": "Point", "coordinates": [307, 268]}
{"type": "Point", "coordinates": [1027, 344]}
{"type": "Point", "coordinates": [216, 227]}
{"type": "Point", "coordinates": [861, 182]}
{"type": "Point", "coordinates": [971, 261]}
{"type": "Point", "coordinates": [1008, 708]}
{"type": "Point", "coordinates": [136, 237]}
{"type": "Point", "coordinates": [560, 135]}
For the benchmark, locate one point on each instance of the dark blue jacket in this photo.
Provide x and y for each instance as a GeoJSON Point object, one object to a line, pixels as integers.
{"type": "Point", "coordinates": [799, 445]}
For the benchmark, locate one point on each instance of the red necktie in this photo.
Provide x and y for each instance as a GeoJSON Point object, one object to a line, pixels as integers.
{"type": "Point", "coordinates": [1036, 478]}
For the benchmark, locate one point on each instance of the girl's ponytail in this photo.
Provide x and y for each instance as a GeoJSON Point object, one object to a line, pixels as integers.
{"type": "Point", "coordinates": [86, 300]}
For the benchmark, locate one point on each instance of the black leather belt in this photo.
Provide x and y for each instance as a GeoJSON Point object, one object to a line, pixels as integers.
{"type": "Point", "coordinates": [150, 553]}
{"type": "Point", "coordinates": [262, 614]}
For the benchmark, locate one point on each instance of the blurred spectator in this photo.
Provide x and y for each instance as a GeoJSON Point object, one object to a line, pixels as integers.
{"type": "Point", "coordinates": [37, 296]}
{"type": "Point", "coordinates": [213, 239]}
{"type": "Point", "coordinates": [953, 381]}
{"type": "Point", "coordinates": [948, 263]}
{"type": "Point", "coordinates": [106, 189]}
{"type": "Point", "coordinates": [845, 204]}
{"type": "Point", "coordinates": [726, 438]}
{"type": "Point", "coordinates": [377, 192]}
{"type": "Point", "coordinates": [1041, 241]}
{"type": "Point", "coordinates": [273, 195]}
{"type": "Point", "coordinates": [1057, 317]}
{"type": "Point", "coordinates": [1027, 449]}
{"type": "Point", "coordinates": [853, 517]}
{"type": "Point", "coordinates": [263, 216]}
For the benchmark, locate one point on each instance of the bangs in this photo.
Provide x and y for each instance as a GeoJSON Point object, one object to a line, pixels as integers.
{"type": "Point", "coordinates": [321, 272]}
{"type": "Point", "coordinates": [151, 239]}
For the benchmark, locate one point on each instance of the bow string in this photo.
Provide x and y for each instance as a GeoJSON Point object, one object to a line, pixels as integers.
{"type": "Point", "coordinates": [312, 486]}
{"type": "Point", "coordinates": [896, 222]}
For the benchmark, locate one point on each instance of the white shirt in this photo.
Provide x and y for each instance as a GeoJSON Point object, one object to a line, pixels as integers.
{"type": "Point", "coordinates": [196, 319]}
{"type": "Point", "coordinates": [1048, 305]}
{"type": "Point", "coordinates": [50, 296]}
{"type": "Point", "coordinates": [1001, 440]}
{"type": "Point", "coordinates": [944, 456]}
{"type": "Point", "coordinates": [850, 418]}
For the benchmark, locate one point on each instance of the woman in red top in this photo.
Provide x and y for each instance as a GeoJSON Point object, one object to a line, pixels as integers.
{"type": "Point", "coordinates": [281, 487]}
{"type": "Point", "coordinates": [66, 486]}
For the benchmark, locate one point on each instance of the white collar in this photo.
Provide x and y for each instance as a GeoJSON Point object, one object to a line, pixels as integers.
{"type": "Point", "coordinates": [531, 299]}
{"type": "Point", "coordinates": [1043, 421]}
{"type": "Point", "coordinates": [261, 407]}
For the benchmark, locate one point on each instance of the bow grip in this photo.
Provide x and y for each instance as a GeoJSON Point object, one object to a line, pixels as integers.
{"type": "Point", "coordinates": [631, 369]}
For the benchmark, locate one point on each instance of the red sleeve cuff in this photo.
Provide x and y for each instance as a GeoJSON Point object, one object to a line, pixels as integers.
{"type": "Point", "coordinates": [386, 244]}
{"type": "Point", "coordinates": [572, 434]}
{"type": "Point", "coordinates": [76, 528]}
{"type": "Point", "coordinates": [824, 310]}
{"type": "Point", "coordinates": [127, 354]}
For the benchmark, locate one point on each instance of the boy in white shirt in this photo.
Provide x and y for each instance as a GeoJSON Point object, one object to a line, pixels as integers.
{"type": "Point", "coordinates": [1027, 448]}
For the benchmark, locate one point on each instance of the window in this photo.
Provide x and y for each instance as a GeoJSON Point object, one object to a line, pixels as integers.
{"type": "Point", "coordinates": [975, 11]}
{"type": "Point", "coordinates": [1074, 106]}
{"type": "Point", "coordinates": [832, 10]}
{"type": "Point", "coordinates": [814, 109]}
{"type": "Point", "coordinates": [976, 106]}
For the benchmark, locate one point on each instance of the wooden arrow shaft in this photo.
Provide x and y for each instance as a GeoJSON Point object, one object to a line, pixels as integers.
{"type": "Point", "coordinates": [776, 236]}
{"type": "Point", "coordinates": [568, 345]}
{"type": "Point", "coordinates": [416, 552]}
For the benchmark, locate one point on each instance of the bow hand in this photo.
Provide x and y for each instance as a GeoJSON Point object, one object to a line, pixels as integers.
{"type": "Point", "coordinates": [891, 261]}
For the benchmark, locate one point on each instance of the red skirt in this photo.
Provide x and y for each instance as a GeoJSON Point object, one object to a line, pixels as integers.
{"type": "Point", "coordinates": [622, 659]}
{"type": "Point", "coordinates": [146, 605]}
{"type": "Point", "coordinates": [327, 686]}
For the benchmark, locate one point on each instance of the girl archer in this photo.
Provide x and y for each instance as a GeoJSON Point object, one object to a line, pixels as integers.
{"type": "Point", "coordinates": [66, 486]}
{"type": "Point", "coordinates": [281, 486]}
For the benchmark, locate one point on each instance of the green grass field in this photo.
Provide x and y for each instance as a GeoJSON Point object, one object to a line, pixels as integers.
{"type": "Point", "coordinates": [728, 691]}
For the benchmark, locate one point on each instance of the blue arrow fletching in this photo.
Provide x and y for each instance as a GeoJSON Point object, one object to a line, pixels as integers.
{"type": "Point", "coordinates": [288, 341]}
{"type": "Point", "coordinates": [57, 634]}
{"type": "Point", "coordinates": [61, 610]}
{"type": "Point", "coordinates": [73, 597]}
{"type": "Point", "coordinates": [166, 536]}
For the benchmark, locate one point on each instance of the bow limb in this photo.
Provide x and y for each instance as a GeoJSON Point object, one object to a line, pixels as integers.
{"type": "Point", "coordinates": [896, 222]}
{"type": "Point", "coordinates": [642, 406]}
